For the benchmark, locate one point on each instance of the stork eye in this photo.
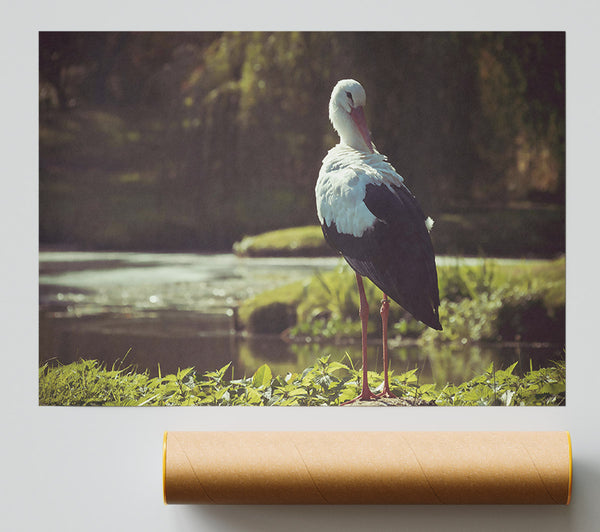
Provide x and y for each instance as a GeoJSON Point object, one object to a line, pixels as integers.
{"type": "Point", "coordinates": [349, 96]}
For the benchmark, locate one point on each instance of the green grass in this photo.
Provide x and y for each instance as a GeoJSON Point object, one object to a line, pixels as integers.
{"type": "Point", "coordinates": [291, 242]}
{"type": "Point", "coordinates": [327, 382]}
{"type": "Point", "coordinates": [492, 301]}
{"type": "Point", "coordinates": [272, 311]}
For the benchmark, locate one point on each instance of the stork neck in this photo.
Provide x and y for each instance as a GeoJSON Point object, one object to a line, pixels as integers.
{"type": "Point", "coordinates": [348, 131]}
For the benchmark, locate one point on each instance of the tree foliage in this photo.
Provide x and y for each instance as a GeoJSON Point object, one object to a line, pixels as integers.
{"type": "Point", "coordinates": [199, 138]}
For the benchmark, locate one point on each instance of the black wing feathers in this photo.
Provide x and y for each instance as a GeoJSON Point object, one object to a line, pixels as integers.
{"type": "Point", "coordinates": [396, 254]}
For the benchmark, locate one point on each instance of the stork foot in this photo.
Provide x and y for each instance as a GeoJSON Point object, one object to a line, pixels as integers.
{"type": "Point", "coordinates": [386, 394]}
{"type": "Point", "coordinates": [366, 395]}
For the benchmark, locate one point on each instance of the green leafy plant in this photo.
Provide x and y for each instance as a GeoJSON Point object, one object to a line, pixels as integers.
{"type": "Point", "coordinates": [490, 301]}
{"type": "Point", "coordinates": [326, 383]}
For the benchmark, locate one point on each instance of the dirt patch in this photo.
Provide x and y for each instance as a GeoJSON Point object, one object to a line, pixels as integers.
{"type": "Point", "coordinates": [393, 401]}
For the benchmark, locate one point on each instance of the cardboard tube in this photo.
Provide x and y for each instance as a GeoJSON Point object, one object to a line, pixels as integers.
{"type": "Point", "coordinates": [367, 467]}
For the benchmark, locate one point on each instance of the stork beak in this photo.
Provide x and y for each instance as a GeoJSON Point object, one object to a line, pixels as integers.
{"type": "Point", "coordinates": [358, 116]}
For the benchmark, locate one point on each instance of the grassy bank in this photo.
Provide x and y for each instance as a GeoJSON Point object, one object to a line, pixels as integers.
{"type": "Point", "coordinates": [527, 230]}
{"type": "Point", "coordinates": [304, 241]}
{"type": "Point", "coordinates": [90, 383]}
{"type": "Point", "coordinates": [490, 301]}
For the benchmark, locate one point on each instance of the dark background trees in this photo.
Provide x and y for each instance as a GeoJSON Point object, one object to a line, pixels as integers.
{"type": "Point", "coordinates": [191, 140]}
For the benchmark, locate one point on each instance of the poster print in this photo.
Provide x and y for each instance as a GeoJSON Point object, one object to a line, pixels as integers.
{"type": "Point", "coordinates": [182, 250]}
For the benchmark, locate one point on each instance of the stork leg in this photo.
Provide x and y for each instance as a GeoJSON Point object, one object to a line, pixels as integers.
{"type": "Point", "coordinates": [384, 312]}
{"type": "Point", "coordinates": [366, 394]}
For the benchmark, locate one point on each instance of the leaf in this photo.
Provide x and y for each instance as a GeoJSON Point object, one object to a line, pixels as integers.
{"type": "Point", "coordinates": [222, 371]}
{"type": "Point", "coordinates": [262, 376]}
{"type": "Point", "coordinates": [323, 380]}
{"type": "Point", "coordinates": [553, 388]}
{"type": "Point", "coordinates": [324, 360]}
{"type": "Point", "coordinates": [253, 396]}
{"type": "Point", "coordinates": [307, 372]}
{"type": "Point", "coordinates": [333, 366]}
{"type": "Point", "coordinates": [182, 374]}
{"type": "Point", "coordinates": [297, 392]}
{"type": "Point", "coordinates": [223, 394]}
{"type": "Point", "coordinates": [350, 392]}
{"type": "Point", "coordinates": [408, 376]}
{"type": "Point", "coordinates": [510, 368]}
{"type": "Point", "coordinates": [290, 402]}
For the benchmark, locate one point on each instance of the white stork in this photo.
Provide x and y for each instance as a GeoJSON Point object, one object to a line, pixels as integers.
{"type": "Point", "coordinates": [373, 220]}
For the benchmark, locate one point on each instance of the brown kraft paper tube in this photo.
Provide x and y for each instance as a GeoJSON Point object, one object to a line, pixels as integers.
{"type": "Point", "coordinates": [367, 467]}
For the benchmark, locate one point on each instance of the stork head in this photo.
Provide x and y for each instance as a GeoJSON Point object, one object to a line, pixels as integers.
{"type": "Point", "coordinates": [347, 114]}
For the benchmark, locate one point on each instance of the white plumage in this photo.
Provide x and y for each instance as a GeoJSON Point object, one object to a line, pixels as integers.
{"type": "Point", "coordinates": [341, 187]}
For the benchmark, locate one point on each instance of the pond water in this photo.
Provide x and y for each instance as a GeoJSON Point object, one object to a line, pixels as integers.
{"type": "Point", "coordinates": [176, 310]}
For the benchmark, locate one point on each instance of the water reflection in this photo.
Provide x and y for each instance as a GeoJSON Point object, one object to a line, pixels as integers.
{"type": "Point", "coordinates": [208, 341]}
{"type": "Point", "coordinates": [176, 310]}
{"type": "Point", "coordinates": [439, 364]}
{"type": "Point", "coordinates": [170, 342]}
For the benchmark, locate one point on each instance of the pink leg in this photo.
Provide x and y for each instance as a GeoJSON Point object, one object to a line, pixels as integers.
{"type": "Point", "coordinates": [385, 310]}
{"type": "Point", "coordinates": [366, 394]}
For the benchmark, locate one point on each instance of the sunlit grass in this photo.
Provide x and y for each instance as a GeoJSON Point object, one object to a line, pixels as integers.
{"type": "Point", "coordinates": [490, 301]}
{"type": "Point", "coordinates": [294, 241]}
{"type": "Point", "coordinates": [326, 383]}
{"type": "Point", "coordinates": [257, 313]}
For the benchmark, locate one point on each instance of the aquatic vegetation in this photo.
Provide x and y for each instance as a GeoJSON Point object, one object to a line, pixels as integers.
{"type": "Point", "coordinates": [488, 301]}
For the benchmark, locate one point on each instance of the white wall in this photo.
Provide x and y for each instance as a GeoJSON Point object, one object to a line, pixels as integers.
{"type": "Point", "coordinates": [88, 469]}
